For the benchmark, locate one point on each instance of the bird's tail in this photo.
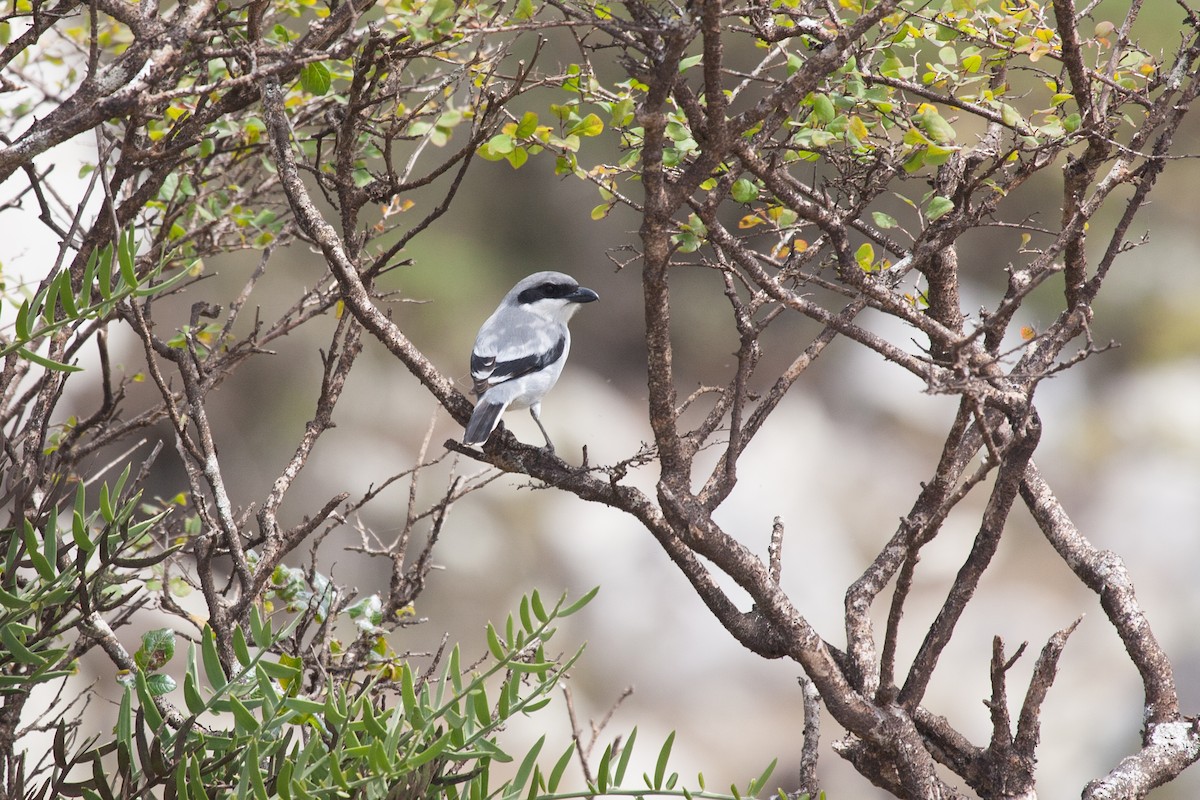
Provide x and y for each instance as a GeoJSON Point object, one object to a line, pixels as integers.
{"type": "Point", "coordinates": [483, 421]}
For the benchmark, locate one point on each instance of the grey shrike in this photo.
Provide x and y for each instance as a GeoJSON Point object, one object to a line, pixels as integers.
{"type": "Point", "coordinates": [521, 348]}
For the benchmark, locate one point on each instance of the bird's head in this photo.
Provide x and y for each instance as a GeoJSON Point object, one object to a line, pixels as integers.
{"type": "Point", "coordinates": [550, 294]}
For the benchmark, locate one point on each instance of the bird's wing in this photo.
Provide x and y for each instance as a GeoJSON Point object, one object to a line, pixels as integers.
{"type": "Point", "coordinates": [511, 348]}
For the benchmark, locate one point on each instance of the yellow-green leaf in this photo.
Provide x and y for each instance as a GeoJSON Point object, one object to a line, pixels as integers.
{"type": "Point", "coordinates": [315, 78]}
{"type": "Point", "coordinates": [591, 125]}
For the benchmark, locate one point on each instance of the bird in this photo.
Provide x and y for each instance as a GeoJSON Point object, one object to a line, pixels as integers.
{"type": "Point", "coordinates": [520, 350]}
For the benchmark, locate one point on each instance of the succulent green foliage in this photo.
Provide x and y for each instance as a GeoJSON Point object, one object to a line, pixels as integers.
{"type": "Point", "coordinates": [253, 730]}
{"type": "Point", "coordinates": [56, 570]}
{"type": "Point", "coordinates": [111, 277]}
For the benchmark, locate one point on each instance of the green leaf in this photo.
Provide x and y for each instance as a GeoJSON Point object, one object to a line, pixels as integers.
{"type": "Point", "coordinates": [526, 620]}
{"type": "Point", "coordinates": [883, 220]}
{"type": "Point", "coordinates": [580, 603]}
{"type": "Point", "coordinates": [146, 694]}
{"type": "Point", "coordinates": [1011, 117]}
{"type": "Point", "coordinates": [16, 648]}
{"type": "Point", "coordinates": [104, 272]}
{"type": "Point", "coordinates": [240, 650]}
{"type": "Point", "coordinates": [623, 761]}
{"type": "Point", "coordinates": [126, 257]}
{"type": "Point", "coordinates": [497, 147]}
{"type": "Point", "coordinates": [690, 61]}
{"type": "Point", "coordinates": [493, 642]}
{"type": "Point", "coordinates": [539, 610]}
{"type": "Point", "coordinates": [242, 715]}
{"type": "Point", "coordinates": [864, 256]}
{"type": "Point", "coordinates": [603, 776]}
{"type": "Point", "coordinates": [527, 126]}
{"type": "Point", "coordinates": [23, 321]}
{"type": "Point", "coordinates": [526, 767]}
{"type": "Point", "coordinates": [517, 158]}
{"type": "Point", "coordinates": [191, 694]}
{"type": "Point", "coordinates": [822, 109]}
{"type": "Point", "coordinates": [936, 126]}
{"type": "Point", "coordinates": [744, 190]}
{"type": "Point", "coordinates": [48, 363]}
{"type": "Point", "coordinates": [45, 569]}
{"type": "Point", "coordinates": [525, 10]}
{"type": "Point", "coordinates": [940, 206]}
{"type": "Point", "coordinates": [158, 647]}
{"type": "Point", "coordinates": [408, 694]}
{"type": "Point", "coordinates": [757, 785]}
{"type": "Point", "coordinates": [431, 752]}
{"type": "Point", "coordinates": [212, 662]}
{"type": "Point", "coordinates": [660, 767]}
{"type": "Point", "coordinates": [442, 9]}
{"type": "Point", "coordinates": [560, 767]}
{"type": "Point", "coordinates": [315, 78]}
{"type": "Point", "coordinates": [591, 125]}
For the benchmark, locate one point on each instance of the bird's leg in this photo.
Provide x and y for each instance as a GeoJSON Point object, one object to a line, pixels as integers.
{"type": "Point", "coordinates": [533, 412]}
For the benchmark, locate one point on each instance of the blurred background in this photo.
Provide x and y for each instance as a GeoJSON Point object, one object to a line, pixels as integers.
{"type": "Point", "coordinates": [840, 462]}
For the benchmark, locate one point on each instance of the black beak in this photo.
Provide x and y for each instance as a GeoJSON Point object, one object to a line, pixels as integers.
{"type": "Point", "coordinates": [582, 295]}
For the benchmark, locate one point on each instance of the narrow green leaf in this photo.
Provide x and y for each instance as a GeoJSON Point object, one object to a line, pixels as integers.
{"type": "Point", "coordinates": [45, 569]}
{"type": "Point", "coordinates": [429, 753]}
{"type": "Point", "coordinates": [212, 662]}
{"type": "Point", "coordinates": [260, 628]}
{"type": "Point", "coordinates": [302, 705]}
{"type": "Point", "coordinates": [660, 767]}
{"type": "Point", "coordinates": [539, 610]}
{"type": "Point", "coordinates": [125, 719]}
{"type": "Point", "coordinates": [79, 531]}
{"type": "Point", "coordinates": [243, 715]}
{"type": "Point", "coordinates": [408, 695]}
{"type": "Point", "coordinates": [106, 509]}
{"type": "Point", "coordinates": [48, 306]}
{"type": "Point", "coordinates": [580, 603]}
{"type": "Point", "coordinates": [126, 258]}
{"type": "Point", "coordinates": [146, 694]}
{"type": "Point", "coordinates": [757, 785]}
{"type": "Point", "coordinates": [253, 766]}
{"type": "Point", "coordinates": [623, 761]}
{"type": "Point", "coordinates": [11, 600]}
{"type": "Point", "coordinates": [89, 279]}
{"type": "Point", "coordinates": [104, 273]}
{"type": "Point", "coordinates": [17, 649]}
{"type": "Point", "coordinates": [48, 363]}
{"type": "Point", "coordinates": [526, 619]}
{"type": "Point", "coordinates": [50, 539]}
{"type": "Point", "coordinates": [278, 670]}
{"type": "Point", "coordinates": [560, 767]}
{"type": "Point", "coordinates": [479, 704]}
{"type": "Point", "coordinates": [66, 295]}
{"type": "Point", "coordinates": [493, 642]}
{"type": "Point", "coordinates": [240, 650]}
{"type": "Point", "coordinates": [602, 772]}
{"type": "Point", "coordinates": [526, 767]}
{"type": "Point", "coordinates": [191, 694]}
